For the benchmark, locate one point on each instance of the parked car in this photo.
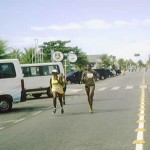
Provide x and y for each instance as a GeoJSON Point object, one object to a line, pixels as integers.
{"type": "Point", "coordinates": [101, 73]}
{"type": "Point", "coordinates": [109, 73]}
{"type": "Point", "coordinates": [74, 77]}
{"type": "Point", "coordinates": [118, 71]}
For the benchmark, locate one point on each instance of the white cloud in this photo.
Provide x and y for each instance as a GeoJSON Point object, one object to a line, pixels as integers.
{"type": "Point", "coordinates": [38, 28]}
{"type": "Point", "coordinates": [94, 24]}
{"type": "Point", "coordinates": [70, 26]}
{"type": "Point", "coordinates": [120, 23]}
{"type": "Point", "coordinates": [97, 24]}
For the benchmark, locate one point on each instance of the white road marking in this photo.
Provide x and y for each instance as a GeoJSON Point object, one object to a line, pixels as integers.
{"type": "Point", "coordinates": [19, 120]}
{"type": "Point", "coordinates": [129, 87]}
{"type": "Point", "coordinates": [73, 90]}
{"type": "Point", "coordinates": [115, 88]}
{"type": "Point", "coordinates": [143, 86]}
{"type": "Point", "coordinates": [36, 113]}
{"type": "Point", "coordinates": [7, 121]}
{"type": "Point", "coordinates": [1, 128]}
{"type": "Point", "coordinates": [102, 89]}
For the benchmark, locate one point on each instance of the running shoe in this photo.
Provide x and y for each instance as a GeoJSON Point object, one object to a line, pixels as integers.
{"type": "Point", "coordinates": [91, 110]}
{"type": "Point", "coordinates": [62, 110]}
{"type": "Point", "coordinates": [54, 110]}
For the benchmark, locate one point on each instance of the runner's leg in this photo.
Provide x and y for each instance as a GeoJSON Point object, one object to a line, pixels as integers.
{"type": "Point", "coordinates": [54, 101]}
{"type": "Point", "coordinates": [91, 94]}
{"type": "Point", "coordinates": [61, 103]}
{"type": "Point", "coordinates": [87, 89]}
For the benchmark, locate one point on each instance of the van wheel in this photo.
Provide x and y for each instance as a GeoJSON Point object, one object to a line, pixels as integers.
{"type": "Point", "coordinates": [36, 95]}
{"type": "Point", "coordinates": [5, 104]}
{"type": "Point", "coordinates": [49, 93]}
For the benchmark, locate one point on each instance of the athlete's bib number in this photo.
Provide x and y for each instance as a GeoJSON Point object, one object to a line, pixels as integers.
{"type": "Point", "coordinates": [89, 75]}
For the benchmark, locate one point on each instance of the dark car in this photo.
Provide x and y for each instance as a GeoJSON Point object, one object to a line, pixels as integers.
{"type": "Point", "coordinates": [101, 73]}
{"type": "Point", "coordinates": [118, 71]}
{"type": "Point", "coordinates": [109, 73]}
{"type": "Point", "coordinates": [74, 77]}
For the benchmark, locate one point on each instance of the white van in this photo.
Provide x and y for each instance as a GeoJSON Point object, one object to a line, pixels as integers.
{"type": "Point", "coordinates": [37, 77]}
{"type": "Point", "coordinates": [11, 84]}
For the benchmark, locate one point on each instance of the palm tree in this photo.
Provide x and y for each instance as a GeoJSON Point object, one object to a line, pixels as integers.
{"type": "Point", "coordinates": [15, 53]}
{"type": "Point", "coordinates": [3, 49]}
{"type": "Point", "coordinates": [27, 56]}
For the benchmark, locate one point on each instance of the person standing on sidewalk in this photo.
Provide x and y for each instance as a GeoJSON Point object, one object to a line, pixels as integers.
{"type": "Point", "coordinates": [88, 78]}
{"type": "Point", "coordinates": [56, 85]}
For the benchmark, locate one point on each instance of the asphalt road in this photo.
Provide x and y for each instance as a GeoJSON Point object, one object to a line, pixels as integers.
{"type": "Point", "coordinates": [32, 126]}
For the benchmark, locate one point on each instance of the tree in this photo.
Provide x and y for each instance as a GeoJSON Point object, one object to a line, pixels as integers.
{"type": "Point", "coordinates": [61, 46]}
{"type": "Point", "coordinates": [56, 46]}
{"type": "Point", "coordinates": [27, 56]}
{"type": "Point", "coordinates": [3, 49]}
{"type": "Point", "coordinates": [105, 61]}
{"type": "Point", "coordinates": [15, 53]}
{"type": "Point", "coordinates": [140, 64]}
{"type": "Point", "coordinates": [122, 64]}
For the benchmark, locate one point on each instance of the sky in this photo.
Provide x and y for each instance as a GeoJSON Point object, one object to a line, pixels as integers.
{"type": "Point", "coordinates": [115, 27]}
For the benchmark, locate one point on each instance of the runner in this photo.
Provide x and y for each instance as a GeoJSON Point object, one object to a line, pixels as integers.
{"type": "Point", "coordinates": [88, 78]}
{"type": "Point", "coordinates": [56, 84]}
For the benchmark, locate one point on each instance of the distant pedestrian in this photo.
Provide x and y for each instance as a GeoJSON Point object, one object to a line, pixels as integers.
{"type": "Point", "coordinates": [56, 84]}
{"type": "Point", "coordinates": [88, 78]}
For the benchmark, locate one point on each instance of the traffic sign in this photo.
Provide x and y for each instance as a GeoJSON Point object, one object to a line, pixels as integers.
{"type": "Point", "coordinates": [72, 57]}
{"type": "Point", "coordinates": [137, 54]}
{"type": "Point", "coordinates": [58, 56]}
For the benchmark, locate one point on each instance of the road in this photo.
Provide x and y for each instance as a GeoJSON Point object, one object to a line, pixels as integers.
{"type": "Point", "coordinates": [31, 124]}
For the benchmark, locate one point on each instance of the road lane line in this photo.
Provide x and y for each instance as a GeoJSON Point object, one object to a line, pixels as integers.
{"type": "Point", "coordinates": [143, 86]}
{"type": "Point", "coordinates": [1, 128]}
{"type": "Point", "coordinates": [36, 113]}
{"type": "Point", "coordinates": [73, 90]}
{"type": "Point", "coordinates": [115, 88]}
{"type": "Point", "coordinates": [102, 89]}
{"type": "Point", "coordinates": [19, 120]}
{"type": "Point", "coordinates": [7, 121]}
{"type": "Point", "coordinates": [141, 122]}
{"type": "Point", "coordinates": [129, 87]}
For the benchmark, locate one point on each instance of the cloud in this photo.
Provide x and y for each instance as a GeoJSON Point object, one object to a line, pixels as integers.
{"type": "Point", "coordinates": [120, 23]}
{"type": "Point", "coordinates": [97, 24]}
{"type": "Point", "coordinates": [38, 28]}
{"type": "Point", "coordinates": [94, 24]}
{"type": "Point", "coordinates": [70, 26]}
{"type": "Point", "coordinates": [143, 22]}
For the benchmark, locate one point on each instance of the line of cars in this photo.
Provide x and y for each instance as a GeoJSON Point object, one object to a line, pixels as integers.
{"type": "Point", "coordinates": [102, 73]}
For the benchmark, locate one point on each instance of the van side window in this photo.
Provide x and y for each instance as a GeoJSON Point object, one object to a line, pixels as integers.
{"type": "Point", "coordinates": [35, 71]}
{"type": "Point", "coordinates": [26, 71]}
{"type": "Point", "coordinates": [45, 70]}
{"type": "Point", "coordinates": [7, 70]}
{"type": "Point", "coordinates": [51, 67]}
